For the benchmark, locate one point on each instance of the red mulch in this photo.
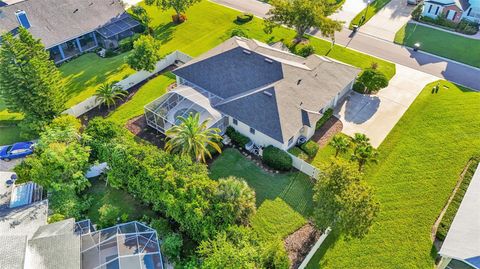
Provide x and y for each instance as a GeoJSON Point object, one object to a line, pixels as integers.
{"type": "Point", "coordinates": [323, 135]}
{"type": "Point", "coordinates": [299, 243]}
{"type": "Point", "coordinates": [138, 126]}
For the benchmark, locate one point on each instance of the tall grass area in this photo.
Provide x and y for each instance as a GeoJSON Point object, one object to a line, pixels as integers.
{"type": "Point", "coordinates": [420, 161]}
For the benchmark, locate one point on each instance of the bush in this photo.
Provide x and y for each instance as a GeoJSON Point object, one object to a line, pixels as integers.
{"type": "Point", "coordinates": [306, 51]}
{"type": "Point", "coordinates": [110, 53]}
{"type": "Point", "coordinates": [417, 12]}
{"type": "Point", "coordinates": [310, 147]}
{"type": "Point", "coordinates": [108, 215]}
{"type": "Point", "coordinates": [326, 116]}
{"type": "Point", "coordinates": [245, 17]}
{"type": "Point", "coordinates": [277, 158]}
{"type": "Point", "coordinates": [237, 138]}
{"type": "Point", "coordinates": [238, 32]}
{"type": "Point", "coordinates": [373, 80]}
{"type": "Point", "coordinates": [55, 217]}
{"type": "Point", "coordinates": [162, 226]}
{"type": "Point", "coordinates": [126, 44]}
{"type": "Point", "coordinates": [171, 246]}
{"type": "Point", "coordinates": [464, 26]}
{"type": "Point", "coordinates": [297, 152]}
{"type": "Point", "coordinates": [358, 87]}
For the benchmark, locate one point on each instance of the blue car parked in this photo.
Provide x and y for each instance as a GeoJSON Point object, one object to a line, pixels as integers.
{"type": "Point", "coordinates": [17, 150]}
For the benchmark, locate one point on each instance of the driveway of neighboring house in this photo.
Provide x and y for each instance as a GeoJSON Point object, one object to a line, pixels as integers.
{"type": "Point", "coordinates": [376, 115]}
{"type": "Point", "coordinates": [349, 10]}
{"type": "Point", "coordinates": [388, 20]}
{"type": "Point", "coordinates": [8, 166]}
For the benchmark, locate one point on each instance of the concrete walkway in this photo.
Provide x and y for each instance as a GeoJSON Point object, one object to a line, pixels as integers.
{"type": "Point", "coordinates": [376, 115]}
{"type": "Point", "coordinates": [349, 10]}
{"type": "Point", "coordinates": [388, 20]}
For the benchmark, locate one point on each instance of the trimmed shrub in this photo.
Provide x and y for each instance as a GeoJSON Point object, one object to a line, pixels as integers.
{"type": "Point", "coordinates": [237, 138]}
{"type": "Point", "coordinates": [326, 116]}
{"type": "Point", "coordinates": [310, 147]}
{"type": "Point", "coordinates": [358, 87]}
{"type": "Point", "coordinates": [306, 51]}
{"type": "Point", "coordinates": [245, 17]}
{"type": "Point", "coordinates": [297, 152]}
{"type": "Point", "coordinates": [417, 12]}
{"type": "Point", "coordinates": [277, 158]}
{"type": "Point", "coordinates": [126, 44]}
{"type": "Point", "coordinates": [238, 32]}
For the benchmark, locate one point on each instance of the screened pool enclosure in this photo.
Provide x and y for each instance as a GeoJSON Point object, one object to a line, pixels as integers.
{"type": "Point", "coordinates": [163, 113]}
{"type": "Point", "coordinates": [130, 245]}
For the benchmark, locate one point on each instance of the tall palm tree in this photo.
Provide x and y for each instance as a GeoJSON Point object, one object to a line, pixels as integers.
{"type": "Point", "coordinates": [108, 93]}
{"type": "Point", "coordinates": [191, 138]}
{"type": "Point", "coordinates": [360, 140]}
{"type": "Point", "coordinates": [340, 144]}
{"type": "Point", "coordinates": [364, 154]}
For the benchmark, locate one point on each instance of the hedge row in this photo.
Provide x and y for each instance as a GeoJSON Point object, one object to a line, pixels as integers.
{"type": "Point", "coordinates": [326, 116]}
{"type": "Point", "coordinates": [310, 148]}
{"type": "Point", "coordinates": [277, 158]}
{"type": "Point", "coordinates": [237, 138]}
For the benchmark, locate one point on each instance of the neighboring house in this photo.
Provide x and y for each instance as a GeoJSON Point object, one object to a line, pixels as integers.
{"type": "Point", "coordinates": [454, 10]}
{"type": "Point", "coordinates": [461, 248]}
{"type": "Point", "coordinates": [268, 94]}
{"type": "Point", "coordinates": [70, 27]}
{"type": "Point", "coordinates": [28, 242]}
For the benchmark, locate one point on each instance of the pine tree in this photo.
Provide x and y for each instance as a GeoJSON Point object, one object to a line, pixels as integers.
{"type": "Point", "coordinates": [30, 82]}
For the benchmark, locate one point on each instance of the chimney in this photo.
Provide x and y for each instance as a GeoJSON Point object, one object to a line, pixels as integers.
{"type": "Point", "coordinates": [23, 19]}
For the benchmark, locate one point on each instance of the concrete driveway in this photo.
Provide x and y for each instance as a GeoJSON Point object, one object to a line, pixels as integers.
{"type": "Point", "coordinates": [388, 20]}
{"type": "Point", "coordinates": [376, 115]}
{"type": "Point", "coordinates": [349, 10]}
{"type": "Point", "coordinates": [8, 166]}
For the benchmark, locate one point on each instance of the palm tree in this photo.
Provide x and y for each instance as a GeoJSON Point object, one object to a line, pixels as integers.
{"type": "Point", "coordinates": [360, 140]}
{"type": "Point", "coordinates": [109, 93]}
{"type": "Point", "coordinates": [340, 144]}
{"type": "Point", "coordinates": [364, 154]}
{"type": "Point", "coordinates": [192, 138]}
{"type": "Point", "coordinates": [237, 193]}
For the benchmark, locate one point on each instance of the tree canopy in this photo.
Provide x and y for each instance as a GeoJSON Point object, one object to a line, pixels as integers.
{"type": "Point", "coordinates": [30, 83]}
{"type": "Point", "coordinates": [180, 6]}
{"type": "Point", "coordinates": [303, 15]}
{"type": "Point", "coordinates": [343, 202]}
{"type": "Point", "coordinates": [373, 80]}
{"type": "Point", "coordinates": [145, 54]}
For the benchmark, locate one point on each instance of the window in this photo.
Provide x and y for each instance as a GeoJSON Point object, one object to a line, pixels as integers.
{"type": "Point", "coordinates": [235, 121]}
{"type": "Point", "coordinates": [290, 141]}
{"type": "Point", "coordinates": [252, 131]}
{"type": "Point", "coordinates": [436, 11]}
{"type": "Point", "coordinates": [430, 8]}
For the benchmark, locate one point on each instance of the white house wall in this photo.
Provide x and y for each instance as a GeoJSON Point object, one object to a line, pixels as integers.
{"type": "Point", "coordinates": [258, 138]}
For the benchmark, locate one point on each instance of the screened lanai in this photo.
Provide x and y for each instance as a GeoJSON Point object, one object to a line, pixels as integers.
{"type": "Point", "coordinates": [163, 113]}
{"type": "Point", "coordinates": [130, 245]}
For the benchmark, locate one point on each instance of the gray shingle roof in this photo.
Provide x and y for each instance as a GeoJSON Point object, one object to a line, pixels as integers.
{"type": "Point", "coordinates": [57, 21]}
{"type": "Point", "coordinates": [298, 87]}
{"type": "Point", "coordinates": [12, 251]}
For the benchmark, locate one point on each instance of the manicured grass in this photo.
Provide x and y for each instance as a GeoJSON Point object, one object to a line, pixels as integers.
{"type": "Point", "coordinates": [293, 188]}
{"type": "Point", "coordinates": [146, 94]}
{"type": "Point", "coordinates": [441, 43]}
{"type": "Point", "coordinates": [371, 11]}
{"type": "Point", "coordinates": [9, 135]}
{"type": "Point", "coordinates": [420, 161]}
{"type": "Point", "coordinates": [457, 200]}
{"type": "Point", "coordinates": [102, 194]}
{"type": "Point", "coordinates": [327, 153]}
{"type": "Point", "coordinates": [201, 33]}
{"type": "Point", "coordinates": [276, 219]}
{"type": "Point", "coordinates": [83, 75]}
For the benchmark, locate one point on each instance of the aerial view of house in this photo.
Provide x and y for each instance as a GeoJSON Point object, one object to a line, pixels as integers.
{"type": "Point", "coordinates": [239, 134]}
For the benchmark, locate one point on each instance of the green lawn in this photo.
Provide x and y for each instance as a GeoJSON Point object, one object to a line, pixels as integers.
{"type": "Point", "coordinates": [420, 161]}
{"type": "Point", "coordinates": [441, 43]}
{"type": "Point", "coordinates": [371, 11]}
{"type": "Point", "coordinates": [9, 134]}
{"type": "Point", "coordinates": [146, 94]}
{"type": "Point", "coordinates": [102, 194]}
{"type": "Point", "coordinates": [6, 116]}
{"type": "Point", "coordinates": [293, 188]}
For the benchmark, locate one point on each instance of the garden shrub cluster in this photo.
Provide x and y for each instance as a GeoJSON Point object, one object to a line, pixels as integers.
{"type": "Point", "coordinates": [464, 26]}
{"type": "Point", "coordinates": [277, 158]}
{"type": "Point", "coordinates": [306, 51]}
{"type": "Point", "coordinates": [238, 32]}
{"type": "Point", "coordinates": [297, 152]}
{"type": "Point", "coordinates": [245, 17]}
{"type": "Point", "coordinates": [126, 44]}
{"type": "Point", "coordinates": [237, 138]}
{"type": "Point", "coordinates": [326, 116]}
{"type": "Point", "coordinates": [310, 148]}
{"type": "Point", "coordinates": [371, 81]}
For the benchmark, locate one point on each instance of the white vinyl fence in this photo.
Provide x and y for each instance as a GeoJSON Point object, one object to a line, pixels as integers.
{"type": "Point", "coordinates": [305, 167]}
{"type": "Point", "coordinates": [132, 80]}
{"type": "Point", "coordinates": [314, 249]}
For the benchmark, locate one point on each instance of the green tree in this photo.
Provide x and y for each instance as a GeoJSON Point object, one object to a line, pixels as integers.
{"type": "Point", "coordinates": [190, 138]}
{"type": "Point", "coordinates": [172, 246]}
{"type": "Point", "coordinates": [303, 15]}
{"type": "Point", "coordinates": [142, 15]}
{"type": "Point", "coordinates": [180, 6]}
{"type": "Point", "coordinates": [359, 139]}
{"type": "Point", "coordinates": [108, 215]}
{"type": "Point", "coordinates": [340, 144]}
{"type": "Point", "coordinates": [373, 80]}
{"type": "Point", "coordinates": [145, 54]}
{"type": "Point", "coordinates": [365, 154]}
{"type": "Point", "coordinates": [108, 93]}
{"type": "Point", "coordinates": [343, 202]}
{"type": "Point", "coordinates": [30, 83]}
{"type": "Point", "coordinates": [238, 198]}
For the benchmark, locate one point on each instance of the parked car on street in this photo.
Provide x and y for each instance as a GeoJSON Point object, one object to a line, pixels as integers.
{"type": "Point", "coordinates": [17, 150]}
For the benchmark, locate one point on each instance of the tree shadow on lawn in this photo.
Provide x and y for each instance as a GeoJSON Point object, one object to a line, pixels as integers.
{"type": "Point", "coordinates": [164, 32]}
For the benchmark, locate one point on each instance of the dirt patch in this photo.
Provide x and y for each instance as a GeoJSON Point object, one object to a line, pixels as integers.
{"type": "Point", "coordinates": [138, 126]}
{"type": "Point", "coordinates": [323, 135]}
{"type": "Point", "coordinates": [299, 243]}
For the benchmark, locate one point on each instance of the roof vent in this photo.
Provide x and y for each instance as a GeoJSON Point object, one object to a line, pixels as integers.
{"type": "Point", "coordinates": [23, 19]}
{"type": "Point", "coordinates": [247, 52]}
{"type": "Point", "coordinates": [267, 93]}
{"type": "Point", "coordinates": [298, 82]}
{"type": "Point", "coordinates": [91, 4]}
{"type": "Point", "coordinates": [268, 60]}
{"type": "Point", "coordinates": [75, 11]}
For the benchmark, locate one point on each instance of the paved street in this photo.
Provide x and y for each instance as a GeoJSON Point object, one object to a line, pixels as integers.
{"type": "Point", "coordinates": [436, 66]}
{"type": "Point", "coordinates": [376, 115]}
{"type": "Point", "coordinates": [8, 166]}
{"type": "Point", "coordinates": [388, 20]}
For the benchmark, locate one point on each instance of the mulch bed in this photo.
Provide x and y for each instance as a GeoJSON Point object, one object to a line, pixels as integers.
{"type": "Point", "coordinates": [323, 135]}
{"type": "Point", "coordinates": [299, 243]}
{"type": "Point", "coordinates": [138, 126]}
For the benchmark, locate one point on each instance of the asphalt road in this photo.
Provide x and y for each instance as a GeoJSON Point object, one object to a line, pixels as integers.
{"type": "Point", "coordinates": [430, 64]}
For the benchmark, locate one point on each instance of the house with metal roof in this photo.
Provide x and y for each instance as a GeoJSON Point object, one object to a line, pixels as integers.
{"type": "Point", "coordinates": [68, 28]}
{"type": "Point", "coordinates": [461, 248]}
{"type": "Point", "coordinates": [268, 94]}
{"type": "Point", "coordinates": [454, 10]}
